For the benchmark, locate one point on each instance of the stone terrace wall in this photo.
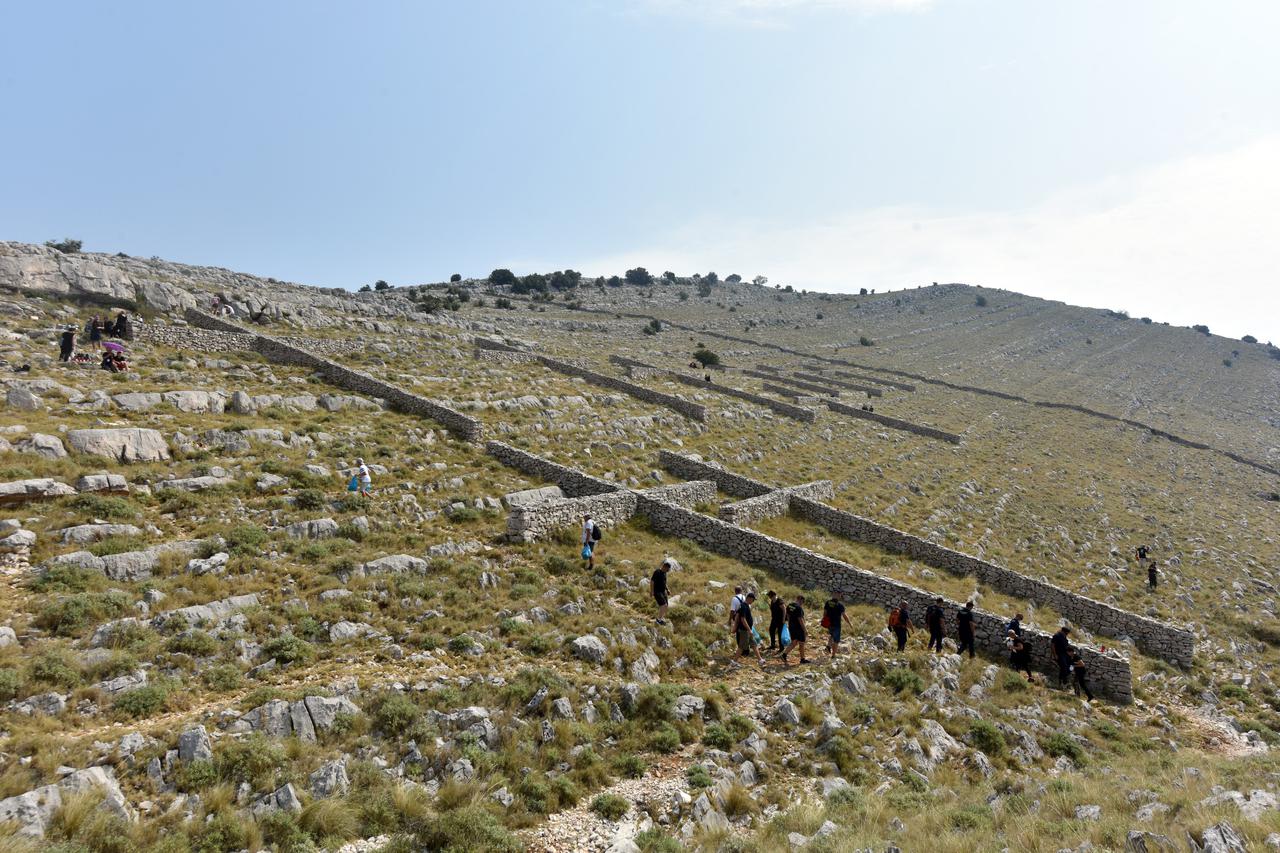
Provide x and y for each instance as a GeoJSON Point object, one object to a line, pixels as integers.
{"type": "Point", "coordinates": [895, 423]}
{"type": "Point", "coordinates": [280, 352]}
{"type": "Point", "coordinates": [687, 468]}
{"type": "Point", "coordinates": [638, 369]}
{"type": "Point", "coordinates": [800, 397]}
{"type": "Point", "coordinates": [795, 383]}
{"type": "Point", "coordinates": [527, 523]}
{"type": "Point", "coordinates": [503, 356]}
{"type": "Point", "coordinates": [688, 494]}
{"type": "Point", "coordinates": [863, 377]}
{"type": "Point", "coordinates": [785, 409]}
{"type": "Point", "coordinates": [573, 483]}
{"type": "Point", "coordinates": [838, 383]}
{"type": "Point", "coordinates": [1110, 673]}
{"type": "Point", "coordinates": [1157, 639]}
{"type": "Point", "coordinates": [774, 503]}
{"type": "Point", "coordinates": [689, 409]}
{"type": "Point", "coordinates": [193, 339]}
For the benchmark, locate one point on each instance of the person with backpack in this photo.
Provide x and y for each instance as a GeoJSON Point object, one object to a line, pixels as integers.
{"type": "Point", "coordinates": [1060, 645]}
{"type": "Point", "coordinates": [832, 615]}
{"type": "Point", "coordinates": [1080, 671]}
{"type": "Point", "coordinates": [658, 588]}
{"type": "Point", "coordinates": [590, 537]}
{"type": "Point", "coordinates": [795, 626]}
{"type": "Point", "coordinates": [900, 624]}
{"type": "Point", "coordinates": [734, 604]}
{"type": "Point", "coordinates": [1015, 625]}
{"type": "Point", "coordinates": [745, 629]}
{"type": "Point", "coordinates": [933, 618]}
{"type": "Point", "coordinates": [777, 618]}
{"type": "Point", "coordinates": [1152, 572]}
{"type": "Point", "coordinates": [964, 630]}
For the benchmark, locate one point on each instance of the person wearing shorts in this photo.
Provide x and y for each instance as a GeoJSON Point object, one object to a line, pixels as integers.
{"type": "Point", "coordinates": [795, 626]}
{"type": "Point", "coordinates": [833, 614]}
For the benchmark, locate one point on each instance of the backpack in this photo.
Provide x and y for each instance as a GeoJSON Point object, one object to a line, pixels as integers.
{"type": "Point", "coordinates": [595, 533]}
{"type": "Point", "coordinates": [894, 618]}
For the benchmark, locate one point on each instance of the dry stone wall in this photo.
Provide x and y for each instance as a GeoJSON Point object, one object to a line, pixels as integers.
{"type": "Point", "coordinates": [895, 423]}
{"type": "Point", "coordinates": [838, 383]}
{"type": "Point", "coordinates": [794, 383]}
{"type": "Point", "coordinates": [799, 397]}
{"type": "Point", "coordinates": [280, 352]}
{"type": "Point", "coordinates": [573, 483]}
{"type": "Point", "coordinates": [688, 408]}
{"type": "Point", "coordinates": [193, 339]}
{"type": "Point", "coordinates": [527, 523]}
{"type": "Point", "coordinates": [774, 503]}
{"type": "Point", "coordinates": [786, 409]}
{"type": "Point", "coordinates": [1157, 639]}
{"type": "Point", "coordinates": [502, 356]}
{"type": "Point", "coordinates": [1110, 677]}
{"type": "Point", "coordinates": [688, 468]}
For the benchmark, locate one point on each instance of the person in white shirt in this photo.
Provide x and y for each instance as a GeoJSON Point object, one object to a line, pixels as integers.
{"type": "Point", "coordinates": [734, 604]}
{"type": "Point", "coordinates": [366, 482]}
{"type": "Point", "coordinates": [589, 540]}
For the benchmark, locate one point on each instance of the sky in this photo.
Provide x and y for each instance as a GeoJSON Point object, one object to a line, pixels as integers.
{"type": "Point", "coordinates": [1121, 155]}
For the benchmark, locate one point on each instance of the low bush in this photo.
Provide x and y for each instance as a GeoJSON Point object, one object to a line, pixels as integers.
{"type": "Point", "coordinates": [10, 683]}
{"type": "Point", "coordinates": [309, 499]}
{"type": "Point", "coordinates": [223, 677]}
{"type": "Point", "coordinates": [287, 649]}
{"type": "Point", "coordinates": [865, 341]}
{"type": "Point", "coordinates": [73, 614]}
{"type": "Point", "coordinates": [196, 776]}
{"type": "Point", "coordinates": [656, 841]}
{"type": "Point", "coordinates": [104, 506]}
{"type": "Point", "coordinates": [142, 702]}
{"type": "Point", "coordinates": [610, 806]}
{"type": "Point", "coordinates": [55, 668]}
{"type": "Point", "coordinates": [630, 766]}
{"type": "Point", "coordinates": [196, 643]}
{"type": "Point", "coordinates": [901, 678]}
{"type": "Point", "coordinates": [465, 830]}
{"type": "Point", "coordinates": [987, 737]}
{"type": "Point", "coordinates": [698, 777]}
{"type": "Point", "coordinates": [393, 714]}
{"type": "Point", "coordinates": [254, 759]}
{"type": "Point", "coordinates": [1059, 744]}
{"type": "Point", "coordinates": [664, 738]}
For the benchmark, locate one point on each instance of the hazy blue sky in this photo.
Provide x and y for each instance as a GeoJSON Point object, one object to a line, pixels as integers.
{"type": "Point", "coordinates": [1109, 153]}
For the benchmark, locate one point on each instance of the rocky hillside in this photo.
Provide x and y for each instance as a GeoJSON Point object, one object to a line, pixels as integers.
{"type": "Point", "coordinates": [209, 643]}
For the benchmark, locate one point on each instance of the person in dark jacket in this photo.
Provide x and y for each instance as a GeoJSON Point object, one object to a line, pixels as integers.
{"type": "Point", "coordinates": [658, 588]}
{"type": "Point", "coordinates": [964, 630]}
{"type": "Point", "coordinates": [1015, 625]}
{"type": "Point", "coordinates": [1152, 573]}
{"type": "Point", "coordinates": [1081, 672]}
{"type": "Point", "coordinates": [67, 344]}
{"type": "Point", "coordinates": [902, 624]}
{"type": "Point", "coordinates": [1061, 646]}
{"type": "Point", "coordinates": [933, 618]}
{"type": "Point", "coordinates": [745, 633]}
{"type": "Point", "coordinates": [1020, 658]}
{"type": "Point", "coordinates": [777, 618]}
{"type": "Point", "coordinates": [795, 626]}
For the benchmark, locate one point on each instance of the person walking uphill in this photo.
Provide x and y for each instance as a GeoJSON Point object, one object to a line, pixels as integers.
{"type": "Point", "coordinates": [832, 616]}
{"type": "Point", "coordinates": [964, 630]}
{"type": "Point", "coordinates": [1061, 647]}
{"type": "Point", "coordinates": [366, 481]}
{"type": "Point", "coordinates": [67, 344]}
{"type": "Point", "coordinates": [658, 587]}
{"type": "Point", "coordinates": [933, 617]}
{"type": "Point", "coordinates": [777, 618]}
{"type": "Point", "coordinates": [900, 623]}
{"type": "Point", "coordinates": [795, 626]}
{"type": "Point", "coordinates": [1081, 672]}
{"type": "Point", "coordinates": [744, 630]}
{"type": "Point", "coordinates": [1152, 572]}
{"type": "Point", "coordinates": [590, 536]}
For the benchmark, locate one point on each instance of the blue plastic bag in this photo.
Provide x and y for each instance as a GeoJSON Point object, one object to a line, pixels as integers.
{"type": "Point", "coordinates": [586, 552]}
{"type": "Point", "coordinates": [785, 635]}
{"type": "Point", "coordinates": [354, 485]}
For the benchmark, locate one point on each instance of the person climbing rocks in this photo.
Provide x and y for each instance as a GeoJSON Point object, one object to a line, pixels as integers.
{"type": "Point", "coordinates": [964, 630]}
{"type": "Point", "coordinates": [1080, 671]}
{"type": "Point", "coordinates": [1020, 658]}
{"type": "Point", "coordinates": [933, 618]}
{"type": "Point", "coordinates": [900, 623]}
{"type": "Point", "coordinates": [832, 616]}
{"type": "Point", "coordinates": [1060, 644]}
{"type": "Point", "coordinates": [1143, 550]}
{"type": "Point", "coordinates": [1015, 625]}
{"type": "Point", "coordinates": [795, 625]}
{"type": "Point", "coordinates": [658, 587]}
{"type": "Point", "coordinates": [734, 604]}
{"type": "Point", "coordinates": [590, 536]}
{"type": "Point", "coordinates": [1152, 573]}
{"type": "Point", "coordinates": [745, 628]}
{"type": "Point", "coordinates": [777, 618]}
{"type": "Point", "coordinates": [366, 481]}
{"type": "Point", "coordinates": [67, 344]}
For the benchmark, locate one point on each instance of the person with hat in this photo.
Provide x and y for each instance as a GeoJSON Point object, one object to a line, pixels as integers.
{"type": "Point", "coordinates": [366, 481]}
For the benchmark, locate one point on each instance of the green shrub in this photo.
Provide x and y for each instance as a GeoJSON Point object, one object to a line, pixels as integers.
{"type": "Point", "coordinates": [698, 777]}
{"type": "Point", "coordinates": [1059, 744]}
{"type": "Point", "coordinates": [717, 736]}
{"type": "Point", "coordinates": [10, 683]}
{"type": "Point", "coordinates": [1235, 693]}
{"type": "Point", "coordinates": [223, 677]}
{"type": "Point", "coordinates": [350, 531]}
{"type": "Point", "coordinates": [330, 819]}
{"type": "Point", "coordinates": [246, 539]}
{"type": "Point", "coordinates": [196, 776]}
{"type": "Point", "coordinates": [394, 714]}
{"type": "Point", "coordinates": [739, 727]}
{"type": "Point", "coordinates": [557, 565]}
{"type": "Point", "coordinates": [1011, 682]}
{"type": "Point", "coordinates": [254, 759]}
{"type": "Point", "coordinates": [981, 301]}
{"type": "Point", "coordinates": [142, 702]}
{"type": "Point", "coordinates": [706, 357]}
{"type": "Point", "coordinates": [280, 829]}
{"type": "Point", "coordinates": [57, 668]}
{"type": "Point", "coordinates": [900, 678]}
{"type": "Point", "coordinates": [465, 830]}
{"type": "Point", "coordinates": [664, 738]}
{"type": "Point", "coordinates": [630, 766]}
{"type": "Point", "coordinates": [287, 649]}
{"type": "Point", "coordinates": [971, 817]}
{"type": "Point", "coordinates": [71, 615]}
{"type": "Point", "coordinates": [107, 507]}
{"type": "Point", "coordinates": [179, 503]}
{"type": "Point", "coordinates": [866, 342]}
{"type": "Point", "coordinates": [657, 702]}
{"type": "Point", "coordinates": [198, 644]}
{"type": "Point", "coordinates": [610, 806]}
{"type": "Point", "coordinates": [309, 499]}
{"type": "Point", "coordinates": [847, 797]}
{"type": "Point", "coordinates": [116, 545]}
{"type": "Point", "coordinates": [62, 577]}
{"type": "Point", "coordinates": [656, 841]}
{"type": "Point", "coordinates": [987, 737]}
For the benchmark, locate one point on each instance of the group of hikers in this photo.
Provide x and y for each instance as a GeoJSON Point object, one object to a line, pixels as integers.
{"type": "Point", "coordinates": [788, 632]}
{"type": "Point", "coordinates": [96, 330]}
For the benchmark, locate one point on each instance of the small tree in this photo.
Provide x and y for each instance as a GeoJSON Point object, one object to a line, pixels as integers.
{"type": "Point", "coordinates": [1202, 329]}
{"type": "Point", "coordinates": [669, 276]}
{"type": "Point", "coordinates": [381, 285]}
{"type": "Point", "coordinates": [705, 357]}
{"type": "Point", "coordinates": [862, 291]}
{"type": "Point", "coordinates": [653, 328]}
{"type": "Point", "coordinates": [364, 288]}
{"type": "Point", "coordinates": [639, 276]}
{"type": "Point", "coordinates": [711, 277]}
{"type": "Point", "coordinates": [67, 245]}
{"type": "Point", "coordinates": [455, 277]}
{"type": "Point", "coordinates": [502, 277]}
{"type": "Point", "coordinates": [866, 342]}
{"type": "Point", "coordinates": [734, 278]}
{"type": "Point", "coordinates": [704, 289]}
{"type": "Point", "coordinates": [981, 301]}
{"type": "Point", "coordinates": [760, 280]}
{"type": "Point", "coordinates": [1249, 339]}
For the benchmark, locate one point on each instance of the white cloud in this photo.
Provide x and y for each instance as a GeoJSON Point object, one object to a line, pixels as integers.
{"type": "Point", "coordinates": [770, 12]}
{"type": "Point", "coordinates": [1190, 241]}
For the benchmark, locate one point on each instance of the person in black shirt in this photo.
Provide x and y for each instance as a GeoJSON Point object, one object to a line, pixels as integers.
{"type": "Point", "coordinates": [1152, 571]}
{"type": "Point", "coordinates": [1062, 654]}
{"type": "Point", "coordinates": [964, 629]}
{"type": "Point", "coordinates": [1143, 550]}
{"type": "Point", "coordinates": [832, 615]}
{"type": "Point", "coordinates": [1015, 625]}
{"type": "Point", "coordinates": [1081, 672]}
{"type": "Point", "coordinates": [658, 586]}
{"type": "Point", "coordinates": [902, 624]}
{"type": "Point", "coordinates": [933, 621]}
{"type": "Point", "coordinates": [795, 625]}
{"type": "Point", "coordinates": [744, 632]}
{"type": "Point", "coordinates": [67, 344]}
{"type": "Point", "coordinates": [777, 617]}
{"type": "Point", "coordinates": [1020, 658]}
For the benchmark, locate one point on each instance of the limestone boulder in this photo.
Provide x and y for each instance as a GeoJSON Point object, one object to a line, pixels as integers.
{"type": "Point", "coordinates": [43, 488]}
{"type": "Point", "coordinates": [42, 444]}
{"type": "Point", "coordinates": [124, 445]}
